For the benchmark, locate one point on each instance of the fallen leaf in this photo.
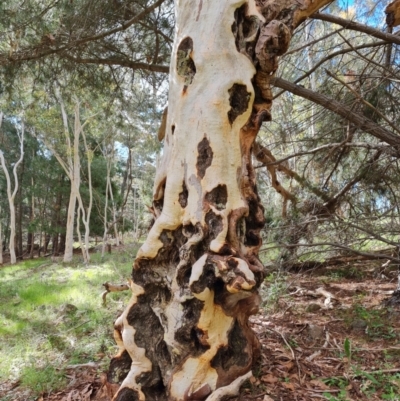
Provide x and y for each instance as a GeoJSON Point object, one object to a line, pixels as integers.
{"type": "Point", "coordinates": [319, 384]}
{"type": "Point", "coordinates": [289, 386]}
{"type": "Point", "coordinates": [269, 379]}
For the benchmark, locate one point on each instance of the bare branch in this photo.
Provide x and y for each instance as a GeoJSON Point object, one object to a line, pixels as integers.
{"type": "Point", "coordinates": [123, 63]}
{"type": "Point", "coordinates": [356, 26]}
{"type": "Point", "coordinates": [361, 121]}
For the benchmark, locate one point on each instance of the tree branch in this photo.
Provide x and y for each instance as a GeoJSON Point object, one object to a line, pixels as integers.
{"type": "Point", "coordinates": [355, 26]}
{"type": "Point", "coordinates": [336, 245]}
{"type": "Point", "coordinates": [331, 56]}
{"type": "Point", "coordinates": [123, 63]}
{"type": "Point", "coordinates": [361, 121]}
{"type": "Point", "coordinates": [384, 147]}
{"type": "Point", "coordinates": [38, 52]}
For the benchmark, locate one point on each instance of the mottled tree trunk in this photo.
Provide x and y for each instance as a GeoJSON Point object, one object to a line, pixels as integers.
{"type": "Point", "coordinates": [185, 332]}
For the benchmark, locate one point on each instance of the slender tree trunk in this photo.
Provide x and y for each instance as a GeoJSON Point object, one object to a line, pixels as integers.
{"type": "Point", "coordinates": [30, 237]}
{"type": "Point", "coordinates": [20, 245]}
{"type": "Point", "coordinates": [105, 235]}
{"type": "Point", "coordinates": [69, 236]}
{"type": "Point", "coordinates": [61, 246]}
{"type": "Point", "coordinates": [114, 213]}
{"type": "Point", "coordinates": [185, 333]}
{"type": "Point", "coordinates": [11, 194]}
{"type": "Point", "coordinates": [40, 243]}
{"type": "Point", "coordinates": [55, 221]}
{"type": "Point", "coordinates": [78, 130]}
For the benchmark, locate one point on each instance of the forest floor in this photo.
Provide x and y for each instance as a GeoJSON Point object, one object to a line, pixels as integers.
{"type": "Point", "coordinates": [325, 334]}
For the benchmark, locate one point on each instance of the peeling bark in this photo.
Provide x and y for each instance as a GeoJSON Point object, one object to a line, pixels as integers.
{"type": "Point", "coordinates": [393, 14]}
{"type": "Point", "coordinates": [185, 333]}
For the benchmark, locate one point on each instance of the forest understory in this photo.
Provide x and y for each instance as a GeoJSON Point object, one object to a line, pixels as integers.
{"type": "Point", "coordinates": [326, 334]}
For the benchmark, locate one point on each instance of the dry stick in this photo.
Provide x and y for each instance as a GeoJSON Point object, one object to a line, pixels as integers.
{"type": "Point", "coordinates": [355, 26]}
{"type": "Point", "coordinates": [83, 365]}
{"type": "Point", "coordinates": [293, 354]}
{"type": "Point", "coordinates": [113, 288]}
{"type": "Point", "coordinates": [368, 60]}
{"type": "Point", "coordinates": [381, 146]}
{"type": "Point", "coordinates": [359, 97]}
{"type": "Point", "coordinates": [329, 57]}
{"type": "Point", "coordinates": [313, 42]}
{"type": "Point", "coordinates": [265, 156]}
{"type": "Point", "coordinates": [361, 121]}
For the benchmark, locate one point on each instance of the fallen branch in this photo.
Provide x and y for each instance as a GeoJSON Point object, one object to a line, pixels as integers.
{"type": "Point", "coordinates": [83, 365]}
{"type": "Point", "coordinates": [336, 260]}
{"type": "Point", "coordinates": [113, 288]}
{"type": "Point", "coordinates": [230, 390]}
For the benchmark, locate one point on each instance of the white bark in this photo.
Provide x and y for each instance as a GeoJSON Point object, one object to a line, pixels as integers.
{"type": "Point", "coordinates": [72, 172]}
{"type": "Point", "coordinates": [10, 192]}
{"type": "Point", "coordinates": [85, 212]}
{"type": "Point", "coordinates": [195, 278]}
{"type": "Point", "coordinates": [72, 168]}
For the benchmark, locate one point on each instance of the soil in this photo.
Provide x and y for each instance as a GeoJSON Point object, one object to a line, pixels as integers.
{"type": "Point", "coordinates": [327, 336]}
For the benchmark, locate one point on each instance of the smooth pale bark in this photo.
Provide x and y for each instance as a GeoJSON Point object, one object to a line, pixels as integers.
{"type": "Point", "coordinates": [85, 212]}
{"type": "Point", "coordinates": [185, 333]}
{"type": "Point", "coordinates": [72, 167]}
{"type": "Point", "coordinates": [10, 192]}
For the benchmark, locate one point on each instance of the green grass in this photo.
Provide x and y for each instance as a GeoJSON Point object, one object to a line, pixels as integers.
{"type": "Point", "coordinates": [51, 315]}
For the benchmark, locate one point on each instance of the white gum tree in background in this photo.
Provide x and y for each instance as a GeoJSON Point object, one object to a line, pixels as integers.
{"type": "Point", "coordinates": [11, 193]}
{"type": "Point", "coordinates": [185, 334]}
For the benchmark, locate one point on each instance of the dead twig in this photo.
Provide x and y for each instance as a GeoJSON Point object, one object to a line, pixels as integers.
{"type": "Point", "coordinates": [112, 288]}
{"type": "Point", "coordinates": [291, 350]}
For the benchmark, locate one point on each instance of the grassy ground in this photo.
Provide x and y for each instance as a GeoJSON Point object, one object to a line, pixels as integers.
{"type": "Point", "coordinates": [51, 316]}
{"type": "Point", "coordinates": [347, 349]}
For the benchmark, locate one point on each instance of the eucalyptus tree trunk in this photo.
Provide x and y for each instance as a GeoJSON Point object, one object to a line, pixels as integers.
{"type": "Point", "coordinates": [85, 211]}
{"type": "Point", "coordinates": [185, 333]}
{"type": "Point", "coordinates": [11, 193]}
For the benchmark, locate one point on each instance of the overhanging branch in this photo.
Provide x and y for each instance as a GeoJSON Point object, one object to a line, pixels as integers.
{"type": "Point", "coordinates": [356, 26]}
{"type": "Point", "coordinates": [42, 50]}
{"type": "Point", "coordinates": [120, 62]}
{"type": "Point", "coordinates": [333, 105]}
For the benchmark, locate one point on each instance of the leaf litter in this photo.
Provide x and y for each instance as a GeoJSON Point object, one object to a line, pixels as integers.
{"type": "Point", "coordinates": [327, 337]}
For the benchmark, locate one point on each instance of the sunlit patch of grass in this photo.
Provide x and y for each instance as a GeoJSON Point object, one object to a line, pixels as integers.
{"type": "Point", "coordinates": [51, 315]}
